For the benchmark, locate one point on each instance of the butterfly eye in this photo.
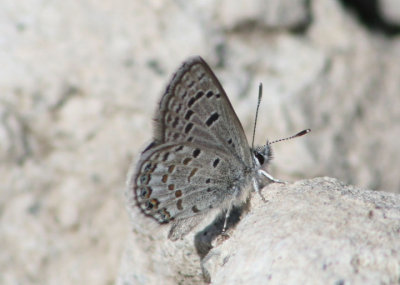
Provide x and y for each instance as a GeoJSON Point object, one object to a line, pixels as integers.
{"type": "Point", "coordinates": [260, 157]}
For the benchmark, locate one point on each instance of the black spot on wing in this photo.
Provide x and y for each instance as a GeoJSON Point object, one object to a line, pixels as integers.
{"type": "Point", "coordinates": [196, 152]}
{"type": "Point", "coordinates": [188, 127]}
{"type": "Point", "coordinates": [188, 114]}
{"type": "Point", "coordinates": [212, 119]}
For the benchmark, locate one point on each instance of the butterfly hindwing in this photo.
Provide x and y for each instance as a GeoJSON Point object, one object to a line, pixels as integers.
{"type": "Point", "coordinates": [178, 181]}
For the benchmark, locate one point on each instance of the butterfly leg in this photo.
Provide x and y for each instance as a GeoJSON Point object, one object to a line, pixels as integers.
{"type": "Point", "coordinates": [228, 212]}
{"type": "Point", "coordinates": [226, 219]}
{"type": "Point", "coordinates": [270, 177]}
{"type": "Point", "coordinates": [257, 189]}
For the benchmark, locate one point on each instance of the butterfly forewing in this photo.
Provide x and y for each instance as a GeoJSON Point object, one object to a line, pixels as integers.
{"type": "Point", "coordinates": [196, 109]}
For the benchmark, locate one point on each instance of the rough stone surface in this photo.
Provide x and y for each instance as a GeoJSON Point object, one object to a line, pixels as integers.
{"type": "Point", "coordinates": [273, 14]}
{"type": "Point", "coordinates": [391, 11]}
{"type": "Point", "coordinates": [317, 231]}
{"type": "Point", "coordinates": [79, 82]}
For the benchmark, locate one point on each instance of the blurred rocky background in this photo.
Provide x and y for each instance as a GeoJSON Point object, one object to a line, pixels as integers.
{"type": "Point", "coordinates": [80, 80]}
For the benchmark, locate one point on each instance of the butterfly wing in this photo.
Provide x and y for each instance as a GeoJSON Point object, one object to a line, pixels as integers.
{"type": "Point", "coordinates": [180, 180]}
{"type": "Point", "coordinates": [195, 108]}
{"type": "Point", "coordinates": [199, 158]}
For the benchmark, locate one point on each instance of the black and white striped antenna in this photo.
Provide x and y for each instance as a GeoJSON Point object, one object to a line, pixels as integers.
{"type": "Point", "coordinates": [299, 134]}
{"type": "Point", "coordinates": [258, 107]}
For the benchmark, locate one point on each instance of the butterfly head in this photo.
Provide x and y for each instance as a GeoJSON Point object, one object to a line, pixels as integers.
{"type": "Point", "coordinates": [262, 155]}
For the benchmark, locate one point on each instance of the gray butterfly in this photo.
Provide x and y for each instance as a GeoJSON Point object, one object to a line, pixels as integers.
{"type": "Point", "coordinates": [199, 158]}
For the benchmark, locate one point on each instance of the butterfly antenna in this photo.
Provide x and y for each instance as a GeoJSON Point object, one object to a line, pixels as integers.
{"type": "Point", "coordinates": [258, 106]}
{"type": "Point", "coordinates": [299, 134]}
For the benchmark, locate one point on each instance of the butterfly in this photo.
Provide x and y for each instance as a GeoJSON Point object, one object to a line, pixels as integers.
{"type": "Point", "coordinates": [199, 159]}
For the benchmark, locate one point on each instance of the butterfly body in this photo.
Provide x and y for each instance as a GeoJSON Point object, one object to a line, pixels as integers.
{"type": "Point", "coordinates": [199, 158]}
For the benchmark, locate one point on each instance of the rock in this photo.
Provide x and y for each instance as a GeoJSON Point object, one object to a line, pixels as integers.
{"type": "Point", "coordinates": [390, 10]}
{"type": "Point", "coordinates": [313, 231]}
{"type": "Point", "coordinates": [79, 84]}
{"type": "Point", "coordinates": [273, 14]}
